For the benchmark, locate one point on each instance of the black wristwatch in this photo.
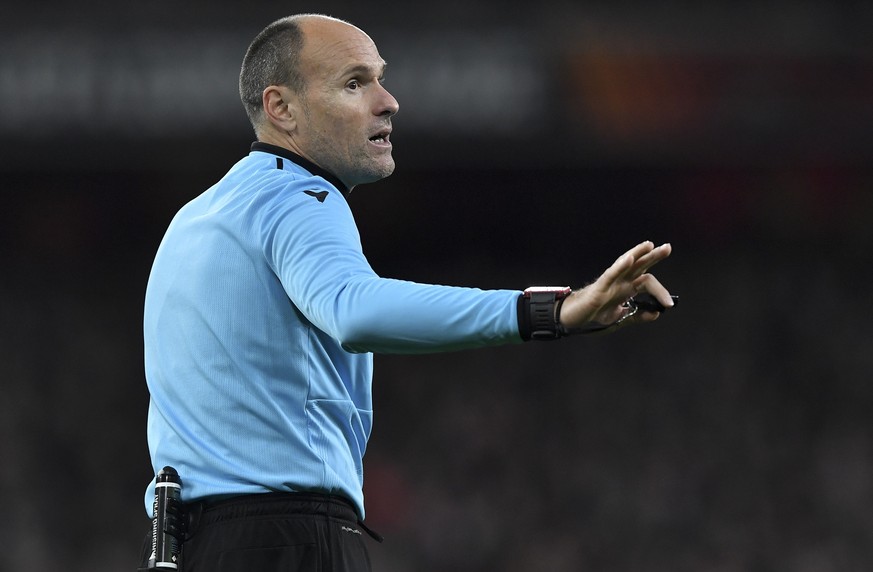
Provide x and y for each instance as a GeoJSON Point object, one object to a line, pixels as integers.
{"type": "Point", "coordinates": [539, 305]}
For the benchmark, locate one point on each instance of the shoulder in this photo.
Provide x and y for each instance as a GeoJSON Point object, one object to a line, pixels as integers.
{"type": "Point", "coordinates": [261, 181]}
{"type": "Point", "coordinates": [280, 178]}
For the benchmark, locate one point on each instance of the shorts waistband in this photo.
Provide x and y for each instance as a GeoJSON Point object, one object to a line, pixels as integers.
{"type": "Point", "coordinates": [273, 504]}
{"type": "Point", "coordinates": [205, 512]}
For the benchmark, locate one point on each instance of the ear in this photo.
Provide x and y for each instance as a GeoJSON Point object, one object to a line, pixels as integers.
{"type": "Point", "coordinates": [281, 107]}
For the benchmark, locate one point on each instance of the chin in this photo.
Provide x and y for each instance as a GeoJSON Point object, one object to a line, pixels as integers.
{"type": "Point", "coordinates": [378, 172]}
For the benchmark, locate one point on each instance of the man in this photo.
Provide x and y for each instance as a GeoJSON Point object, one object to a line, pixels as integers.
{"type": "Point", "coordinates": [261, 314]}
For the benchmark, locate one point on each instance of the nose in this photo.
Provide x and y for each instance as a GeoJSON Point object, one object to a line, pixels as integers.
{"type": "Point", "coordinates": [386, 104]}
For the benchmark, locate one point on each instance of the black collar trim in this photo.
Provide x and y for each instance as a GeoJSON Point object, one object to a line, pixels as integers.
{"type": "Point", "coordinates": [308, 165]}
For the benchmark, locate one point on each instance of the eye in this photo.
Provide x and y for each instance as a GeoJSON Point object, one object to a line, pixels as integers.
{"type": "Point", "coordinates": [353, 84]}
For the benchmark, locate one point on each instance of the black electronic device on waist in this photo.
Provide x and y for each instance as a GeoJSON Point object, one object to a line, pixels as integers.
{"type": "Point", "coordinates": [168, 523]}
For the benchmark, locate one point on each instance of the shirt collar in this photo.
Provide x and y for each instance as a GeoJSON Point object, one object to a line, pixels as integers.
{"type": "Point", "coordinates": [300, 161]}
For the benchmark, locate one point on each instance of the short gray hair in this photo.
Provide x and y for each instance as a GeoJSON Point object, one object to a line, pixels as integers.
{"type": "Point", "coordinates": [273, 58]}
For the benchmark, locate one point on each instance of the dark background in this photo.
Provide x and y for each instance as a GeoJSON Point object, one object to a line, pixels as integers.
{"type": "Point", "coordinates": [535, 144]}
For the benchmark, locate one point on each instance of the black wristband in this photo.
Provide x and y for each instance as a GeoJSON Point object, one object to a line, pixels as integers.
{"type": "Point", "coordinates": [537, 312]}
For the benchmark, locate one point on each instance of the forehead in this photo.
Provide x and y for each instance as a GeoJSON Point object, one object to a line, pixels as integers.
{"type": "Point", "coordinates": [330, 48]}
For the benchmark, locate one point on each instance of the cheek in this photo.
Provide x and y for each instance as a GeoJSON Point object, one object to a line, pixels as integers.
{"type": "Point", "coordinates": [339, 129]}
{"type": "Point", "coordinates": [343, 120]}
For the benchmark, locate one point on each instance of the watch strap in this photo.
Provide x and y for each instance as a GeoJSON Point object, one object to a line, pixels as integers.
{"type": "Point", "coordinates": [537, 306]}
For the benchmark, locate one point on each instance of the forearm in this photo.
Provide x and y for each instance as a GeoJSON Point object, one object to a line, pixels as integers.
{"type": "Point", "coordinates": [394, 316]}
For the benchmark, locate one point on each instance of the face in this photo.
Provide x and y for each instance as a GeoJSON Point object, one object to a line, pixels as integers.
{"type": "Point", "coordinates": [344, 123]}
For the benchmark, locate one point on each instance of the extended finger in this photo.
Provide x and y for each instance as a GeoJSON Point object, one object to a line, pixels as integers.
{"type": "Point", "coordinates": [646, 261]}
{"type": "Point", "coordinates": [636, 253]}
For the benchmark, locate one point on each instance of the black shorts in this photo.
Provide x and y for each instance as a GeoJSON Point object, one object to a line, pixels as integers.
{"type": "Point", "coordinates": [273, 532]}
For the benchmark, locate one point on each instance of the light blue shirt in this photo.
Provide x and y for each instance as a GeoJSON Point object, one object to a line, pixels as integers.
{"type": "Point", "coordinates": [260, 315]}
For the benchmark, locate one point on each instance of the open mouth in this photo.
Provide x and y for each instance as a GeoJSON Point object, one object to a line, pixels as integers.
{"type": "Point", "coordinates": [381, 137]}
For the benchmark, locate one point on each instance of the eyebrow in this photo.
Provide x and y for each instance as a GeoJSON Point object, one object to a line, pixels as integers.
{"type": "Point", "coordinates": [365, 69]}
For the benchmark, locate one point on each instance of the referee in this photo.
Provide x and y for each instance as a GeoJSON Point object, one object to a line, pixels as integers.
{"type": "Point", "coordinates": [262, 315]}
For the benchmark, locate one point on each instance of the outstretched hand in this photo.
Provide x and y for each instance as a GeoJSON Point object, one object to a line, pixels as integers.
{"type": "Point", "coordinates": [602, 303]}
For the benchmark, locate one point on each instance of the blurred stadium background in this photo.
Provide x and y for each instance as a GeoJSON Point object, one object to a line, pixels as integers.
{"type": "Point", "coordinates": [534, 144]}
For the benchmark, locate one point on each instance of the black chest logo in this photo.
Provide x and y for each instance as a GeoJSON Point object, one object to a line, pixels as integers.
{"type": "Point", "coordinates": [320, 196]}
